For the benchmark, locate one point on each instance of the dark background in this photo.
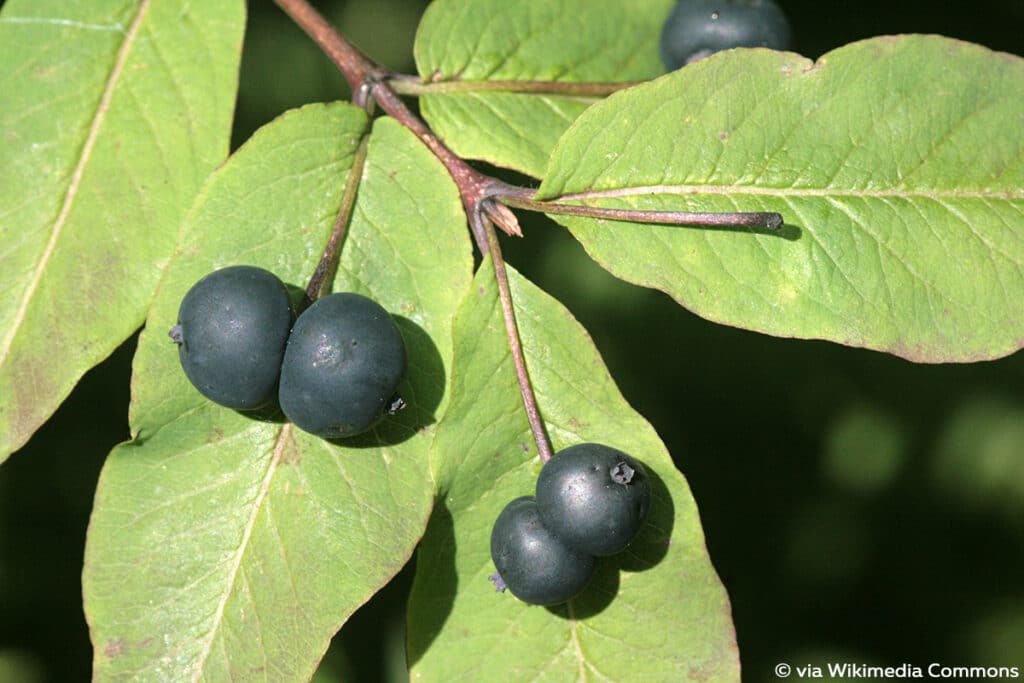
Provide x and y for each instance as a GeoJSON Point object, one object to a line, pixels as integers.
{"type": "Point", "coordinates": [857, 507]}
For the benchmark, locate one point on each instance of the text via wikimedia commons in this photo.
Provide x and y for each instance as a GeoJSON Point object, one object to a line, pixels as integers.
{"type": "Point", "coordinates": [930, 671]}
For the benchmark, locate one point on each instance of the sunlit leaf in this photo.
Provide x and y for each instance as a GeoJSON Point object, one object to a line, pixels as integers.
{"type": "Point", "coordinates": [468, 48]}
{"type": "Point", "coordinates": [897, 163]}
{"type": "Point", "coordinates": [222, 547]}
{"type": "Point", "coordinates": [112, 112]}
{"type": "Point", "coordinates": [656, 612]}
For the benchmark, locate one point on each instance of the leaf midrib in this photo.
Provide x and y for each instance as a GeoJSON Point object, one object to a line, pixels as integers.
{"type": "Point", "coordinates": [218, 616]}
{"type": "Point", "coordinates": [574, 639]}
{"type": "Point", "coordinates": [76, 179]}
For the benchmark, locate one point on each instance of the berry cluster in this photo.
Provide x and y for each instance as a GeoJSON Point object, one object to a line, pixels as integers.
{"type": "Point", "coordinates": [590, 502]}
{"type": "Point", "coordinates": [698, 28]}
{"type": "Point", "coordinates": [333, 370]}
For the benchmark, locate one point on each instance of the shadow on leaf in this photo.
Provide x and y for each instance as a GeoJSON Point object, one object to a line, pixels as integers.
{"type": "Point", "coordinates": [435, 584]}
{"type": "Point", "coordinates": [651, 545]}
{"type": "Point", "coordinates": [787, 232]}
{"type": "Point", "coordinates": [598, 594]}
{"type": "Point", "coordinates": [268, 413]}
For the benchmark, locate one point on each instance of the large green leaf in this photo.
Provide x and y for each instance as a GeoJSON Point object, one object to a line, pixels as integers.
{"type": "Point", "coordinates": [112, 112]}
{"type": "Point", "coordinates": [466, 49]}
{"type": "Point", "coordinates": [656, 612]}
{"type": "Point", "coordinates": [897, 163]}
{"type": "Point", "coordinates": [227, 548]}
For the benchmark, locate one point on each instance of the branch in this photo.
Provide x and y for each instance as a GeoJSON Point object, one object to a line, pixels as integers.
{"type": "Point", "coordinates": [485, 199]}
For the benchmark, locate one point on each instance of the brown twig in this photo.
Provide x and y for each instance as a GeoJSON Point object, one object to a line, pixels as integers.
{"type": "Point", "coordinates": [352, 64]}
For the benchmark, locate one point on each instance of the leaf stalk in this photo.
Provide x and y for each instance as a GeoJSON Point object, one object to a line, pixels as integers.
{"type": "Point", "coordinates": [767, 220]}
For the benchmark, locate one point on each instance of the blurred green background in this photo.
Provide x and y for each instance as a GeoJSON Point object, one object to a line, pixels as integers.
{"type": "Point", "coordinates": [857, 507]}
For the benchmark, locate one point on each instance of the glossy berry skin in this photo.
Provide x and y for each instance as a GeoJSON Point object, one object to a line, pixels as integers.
{"type": "Point", "coordinates": [344, 361]}
{"type": "Point", "coordinates": [532, 562]}
{"type": "Point", "coordinates": [232, 329]}
{"type": "Point", "coordinates": [698, 28]}
{"type": "Point", "coordinates": [593, 497]}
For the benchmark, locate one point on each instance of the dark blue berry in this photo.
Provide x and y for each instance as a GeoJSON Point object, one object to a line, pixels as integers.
{"type": "Point", "coordinates": [232, 329]}
{"type": "Point", "coordinates": [593, 498]}
{"type": "Point", "coordinates": [698, 28]}
{"type": "Point", "coordinates": [532, 563]}
{"type": "Point", "coordinates": [344, 361]}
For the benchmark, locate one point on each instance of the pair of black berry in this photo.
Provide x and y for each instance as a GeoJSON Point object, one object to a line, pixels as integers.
{"type": "Point", "coordinates": [333, 370]}
{"type": "Point", "coordinates": [698, 28]}
{"type": "Point", "coordinates": [590, 502]}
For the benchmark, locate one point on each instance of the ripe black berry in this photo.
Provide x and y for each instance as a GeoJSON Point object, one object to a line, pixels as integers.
{"type": "Point", "coordinates": [531, 561]}
{"type": "Point", "coordinates": [343, 363]}
{"type": "Point", "coordinates": [698, 28]}
{"type": "Point", "coordinates": [231, 333]}
{"type": "Point", "coordinates": [593, 498]}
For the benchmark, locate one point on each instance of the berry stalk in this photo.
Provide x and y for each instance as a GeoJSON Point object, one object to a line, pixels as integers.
{"type": "Point", "coordinates": [533, 416]}
{"type": "Point", "coordinates": [323, 275]}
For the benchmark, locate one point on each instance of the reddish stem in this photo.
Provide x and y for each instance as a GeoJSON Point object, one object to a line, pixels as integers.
{"type": "Point", "coordinates": [533, 416]}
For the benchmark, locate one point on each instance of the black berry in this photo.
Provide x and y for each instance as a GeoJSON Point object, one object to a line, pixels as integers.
{"type": "Point", "coordinates": [698, 28]}
{"type": "Point", "coordinates": [231, 334]}
{"type": "Point", "coordinates": [593, 497]}
{"type": "Point", "coordinates": [532, 562]}
{"type": "Point", "coordinates": [343, 363]}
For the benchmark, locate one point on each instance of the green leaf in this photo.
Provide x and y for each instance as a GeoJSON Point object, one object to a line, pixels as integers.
{"type": "Point", "coordinates": [468, 50]}
{"type": "Point", "coordinates": [655, 612]}
{"type": "Point", "coordinates": [897, 163]}
{"type": "Point", "coordinates": [112, 112]}
{"type": "Point", "coordinates": [222, 547]}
